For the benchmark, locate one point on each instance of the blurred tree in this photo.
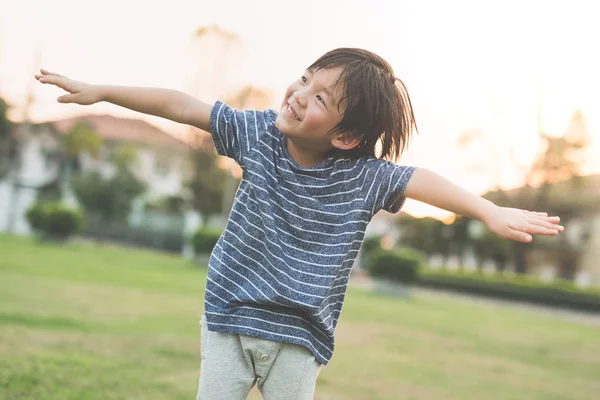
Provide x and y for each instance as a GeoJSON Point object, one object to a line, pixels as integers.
{"type": "Point", "coordinates": [215, 179]}
{"type": "Point", "coordinates": [169, 204]}
{"type": "Point", "coordinates": [124, 157]}
{"type": "Point", "coordinates": [8, 141]}
{"type": "Point", "coordinates": [428, 235]}
{"type": "Point", "coordinates": [561, 163]}
{"type": "Point", "coordinates": [79, 140]}
{"type": "Point", "coordinates": [491, 247]}
{"type": "Point", "coordinates": [459, 238]}
{"type": "Point", "coordinates": [555, 172]}
{"type": "Point", "coordinates": [110, 198]}
{"type": "Point", "coordinates": [208, 180]}
{"type": "Point", "coordinates": [207, 183]}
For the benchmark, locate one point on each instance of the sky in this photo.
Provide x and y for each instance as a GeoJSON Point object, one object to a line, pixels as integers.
{"type": "Point", "coordinates": [483, 66]}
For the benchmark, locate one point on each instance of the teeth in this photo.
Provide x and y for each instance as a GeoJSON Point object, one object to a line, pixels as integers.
{"type": "Point", "coordinates": [292, 111]}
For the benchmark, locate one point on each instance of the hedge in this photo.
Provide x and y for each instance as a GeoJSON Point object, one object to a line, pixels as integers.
{"type": "Point", "coordinates": [558, 293]}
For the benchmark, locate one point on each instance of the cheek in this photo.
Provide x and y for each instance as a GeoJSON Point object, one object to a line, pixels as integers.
{"type": "Point", "coordinates": [317, 120]}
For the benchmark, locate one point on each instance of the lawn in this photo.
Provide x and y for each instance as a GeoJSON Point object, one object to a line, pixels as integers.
{"type": "Point", "coordinates": [99, 322]}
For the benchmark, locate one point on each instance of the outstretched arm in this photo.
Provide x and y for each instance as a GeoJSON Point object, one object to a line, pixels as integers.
{"type": "Point", "coordinates": [165, 103]}
{"type": "Point", "coordinates": [509, 223]}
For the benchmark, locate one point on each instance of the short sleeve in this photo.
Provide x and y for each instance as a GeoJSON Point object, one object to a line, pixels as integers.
{"type": "Point", "coordinates": [390, 181]}
{"type": "Point", "coordinates": [234, 132]}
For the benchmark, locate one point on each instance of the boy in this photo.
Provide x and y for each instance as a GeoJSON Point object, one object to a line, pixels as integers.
{"type": "Point", "coordinates": [311, 183]}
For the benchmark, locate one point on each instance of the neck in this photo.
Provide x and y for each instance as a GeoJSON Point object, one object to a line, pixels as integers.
{"type": "Point", "coordinates": [306, 158]}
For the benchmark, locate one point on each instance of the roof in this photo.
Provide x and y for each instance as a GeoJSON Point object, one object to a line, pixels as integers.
{"type": "Point", "coordinates": [112, 128]}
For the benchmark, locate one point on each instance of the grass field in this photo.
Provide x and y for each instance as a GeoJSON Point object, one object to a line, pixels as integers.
{"type": "Point", "coordinates": [90, 322]}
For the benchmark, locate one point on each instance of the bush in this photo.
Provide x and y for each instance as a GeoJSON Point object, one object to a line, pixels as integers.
{"type": "Point", "coordinates": [204, 240]}
{"type": "Point", "coordinates": [53, 220]}
{"type": "Point", "coordinates": [399, 265]}
{"type": "Point", "coordinates": [35, 216]}
{"type": "Point", "coordinates": [369, 246]}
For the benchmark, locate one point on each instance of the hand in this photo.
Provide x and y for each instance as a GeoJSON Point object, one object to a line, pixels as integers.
{"type": "Point", "coordinates": [79, 92]}
{"type": "Point", "coordinates": [520, 225]}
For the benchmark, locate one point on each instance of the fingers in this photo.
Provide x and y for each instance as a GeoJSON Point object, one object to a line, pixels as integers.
{"type": "Point", "coordinates": [537, 228]}
{"type": "Point", "coordinates": [50, 77]}
{"type": "Point", "coordinates": [534, 223]}
{"type": "Point", "coordinates": [543, 215]}
{"type": "Point", "coordinates": [520, 236]}
{"type": "Point", "coordinates": [57, 80]}
{"type": "Point", "coordinates": [46, 72]}
{"type": "Point", "coordinates": [542, 219]}
{"type": "Point", "coordinates": [541, 230]}
{"type": "Point", "coordinates": [67, 98]}
{"type": "Point", "coordinates": [47, 78]}
{"type": "Point", "coordinates": [546, 224]}
{"type": "Point", "coordinates": [43, 73]}
{"type": "Point", "coordinates": [523, 232]}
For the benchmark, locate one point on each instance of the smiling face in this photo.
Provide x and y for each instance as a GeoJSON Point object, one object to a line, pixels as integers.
{"type": "Point", "coordinates": [311, 109]}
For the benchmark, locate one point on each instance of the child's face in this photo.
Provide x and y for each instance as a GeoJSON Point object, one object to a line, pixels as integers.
{"type": "Point", "coordinates": [309, 110]}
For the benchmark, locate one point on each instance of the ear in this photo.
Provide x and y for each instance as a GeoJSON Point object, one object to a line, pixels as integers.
{"type": "Point", "coordinates": [345, 141]}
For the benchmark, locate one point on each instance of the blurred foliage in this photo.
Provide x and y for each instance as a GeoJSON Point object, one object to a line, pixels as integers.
{"type": "Point", "coordinates": [435, 238]}
{"type": "Point", "coordinates": [558, 164]}
{"type": "Point", "coordinates": [213, 187]}
{"type": "Point", "coordinates": [491, 247]}
{"type": "Point", "coordinates": [428, 235]}
{"type": "Point", "coordinates": [109, 197]}
{"type": "Point", "coordinates": [6, 125]}
{"type": "Point", "coordinates": [553, 184]}
{"type": "Point", "coordinates": [8, 142]}
{"type": "Point", "coordinates": [167, 204]}
{"type": "Point", "coordinates": [205, 239]}
{"type": "Point", "coordinates": [369, 246]}
{"type": "Point", "coordinates": [208, 181]}
{"type": "Point", "coordinates": [82, 138]}
{"type": "Point", "coordinates": [124, 157]}
{"type": "Point", "coordinates": [53, 220]}
{"type": "Point", "coordinates": [559, 293]}
{"type": "Point", "coordinates": [371, 243]}
{"type": "Point", "coordinates": [398, 265]}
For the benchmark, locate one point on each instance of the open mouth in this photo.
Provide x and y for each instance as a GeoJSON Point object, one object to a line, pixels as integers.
{"type": "Point", "coordinates": [291, 112]}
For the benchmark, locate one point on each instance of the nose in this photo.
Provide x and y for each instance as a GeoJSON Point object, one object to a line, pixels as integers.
{"type": "Point", "coordinates": [300, 98]}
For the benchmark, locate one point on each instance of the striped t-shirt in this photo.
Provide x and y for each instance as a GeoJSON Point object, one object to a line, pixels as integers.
{"type": "Point", "coordinates": [280, 269]}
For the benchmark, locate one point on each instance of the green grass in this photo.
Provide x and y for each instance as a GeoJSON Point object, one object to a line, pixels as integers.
{"type": "Point", "coordinates": [91, 322]}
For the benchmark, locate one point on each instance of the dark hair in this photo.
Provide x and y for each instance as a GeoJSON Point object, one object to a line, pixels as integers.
{"type": "Point", "coordinates": [377, 103]}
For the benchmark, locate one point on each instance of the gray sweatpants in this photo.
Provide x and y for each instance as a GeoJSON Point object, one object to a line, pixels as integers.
{"type": "Point", "coordinates": [232, 364]}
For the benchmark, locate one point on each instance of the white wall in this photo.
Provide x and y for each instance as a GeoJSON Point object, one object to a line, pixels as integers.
{"type": "Point", "coordinates": [163, 181]}
{"type": "Point", "coordinates": [5, 193]}
{"type": "Point", "coordinates": [36, 170]}
{"type": "Point", "coordinates": [17, 206]}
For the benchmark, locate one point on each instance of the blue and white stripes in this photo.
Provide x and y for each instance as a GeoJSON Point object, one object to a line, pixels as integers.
{"type": "Point", "coordinates": [281, 267]}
